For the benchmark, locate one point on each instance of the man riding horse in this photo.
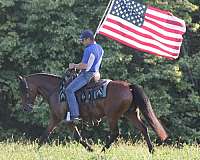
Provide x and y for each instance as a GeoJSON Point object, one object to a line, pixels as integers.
{"type": "Point", "coordinates": [89, 66]}
{"type": "Point", "coordinates": [121, 99]}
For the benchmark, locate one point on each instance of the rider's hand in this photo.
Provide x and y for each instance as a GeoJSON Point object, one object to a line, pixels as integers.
{"type": "Point", "coordinates": [71, 65]}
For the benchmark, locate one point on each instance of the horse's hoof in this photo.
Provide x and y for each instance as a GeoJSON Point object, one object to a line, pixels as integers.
{"type": "Point", "coordinates": [39, 146]}
{"type": "Point", "coordinates": [152, 151]}
{"type": "Point", "coordinates": [103, 150]}
{"type": "Point", "coordinates": [90, 149]}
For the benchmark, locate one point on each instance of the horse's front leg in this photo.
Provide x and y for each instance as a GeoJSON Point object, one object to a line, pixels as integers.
{"type": "Point", "coordinates": [77, 136]}
{"type": "Point", "coordinates": [52, 125]}
{"type": "Point", "coordinates": [114, 133]}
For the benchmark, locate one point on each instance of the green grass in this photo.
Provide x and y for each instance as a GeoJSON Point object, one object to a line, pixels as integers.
{"type": "Point", "coordinates": [74, 151]}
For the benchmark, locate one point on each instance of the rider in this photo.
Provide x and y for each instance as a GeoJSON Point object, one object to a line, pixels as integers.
{"type": "Point", "coordinates": [89, 66]}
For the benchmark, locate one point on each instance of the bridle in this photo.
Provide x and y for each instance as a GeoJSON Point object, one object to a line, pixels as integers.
{"type": "Point", "coordinates": [28, 107]}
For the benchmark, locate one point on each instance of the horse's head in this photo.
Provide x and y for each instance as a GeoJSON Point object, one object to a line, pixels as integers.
{"type": "Point", "coordinates": [28, 94]}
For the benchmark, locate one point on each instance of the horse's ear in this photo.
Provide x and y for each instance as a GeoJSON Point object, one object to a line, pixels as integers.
{"type": "Point", "coordinates": [20, 78]}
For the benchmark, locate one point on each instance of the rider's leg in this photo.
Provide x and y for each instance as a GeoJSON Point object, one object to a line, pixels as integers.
{"type": "Point", "coordinates": [75, 85]}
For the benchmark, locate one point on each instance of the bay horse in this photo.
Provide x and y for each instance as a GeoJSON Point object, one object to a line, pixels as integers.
{"type": "Point", "coordinates": [123, 99]}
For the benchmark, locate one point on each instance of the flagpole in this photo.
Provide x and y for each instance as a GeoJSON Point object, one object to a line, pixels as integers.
{"type": "Point", "coordinates": [103, 17]}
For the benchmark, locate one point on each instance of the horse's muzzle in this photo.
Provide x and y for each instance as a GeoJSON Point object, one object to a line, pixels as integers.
{"type": "Point", "coordinates": [28, 108]}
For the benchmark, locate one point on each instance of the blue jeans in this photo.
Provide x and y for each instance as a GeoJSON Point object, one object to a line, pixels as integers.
{"type": "Point", "coordinates": [80, 81]}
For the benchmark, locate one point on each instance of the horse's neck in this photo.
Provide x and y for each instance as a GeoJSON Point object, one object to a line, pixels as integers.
{"type": "Point", "coordinates": [46, 85]}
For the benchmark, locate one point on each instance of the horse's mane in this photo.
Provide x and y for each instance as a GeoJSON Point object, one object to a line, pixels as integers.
{"type": "Point", "coordinates": [45, 75]}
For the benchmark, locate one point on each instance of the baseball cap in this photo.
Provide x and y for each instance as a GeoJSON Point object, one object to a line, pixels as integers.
{"type": "Point", "coordinates": [86, 34]}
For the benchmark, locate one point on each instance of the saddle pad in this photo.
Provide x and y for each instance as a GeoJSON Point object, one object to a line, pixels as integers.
{"type": "Point", "coordinates": [90, 92]}
{"type": "Point", "coordinates": [93, 91]}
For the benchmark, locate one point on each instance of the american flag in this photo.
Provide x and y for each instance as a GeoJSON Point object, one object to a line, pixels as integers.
{"type": "Point", "coordinates": [146, 28]}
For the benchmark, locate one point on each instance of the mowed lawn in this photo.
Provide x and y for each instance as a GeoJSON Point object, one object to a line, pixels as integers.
{"type": "Point", "coordinates": [74, 151]}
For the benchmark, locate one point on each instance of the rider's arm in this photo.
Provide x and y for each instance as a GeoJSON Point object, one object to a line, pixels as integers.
{"type": "Point", "coordinates": [85, 66]}
{"type": "Point", "coordinates": [86, 63]}
{"type": "Point", "coordinates": [88, 59]}
{"type": "Point", "coordinates": [80, 66]}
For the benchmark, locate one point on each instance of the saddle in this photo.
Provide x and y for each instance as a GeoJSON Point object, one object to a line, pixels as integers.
{"type": "Point", "coordinates": [95, 89]}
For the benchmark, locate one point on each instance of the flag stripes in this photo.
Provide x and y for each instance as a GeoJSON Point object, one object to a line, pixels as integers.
{"type": "Point", "coordinates": [160, 34]}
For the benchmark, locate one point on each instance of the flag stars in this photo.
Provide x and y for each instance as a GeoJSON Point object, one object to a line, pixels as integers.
{"type": "Point", "coordinates": [130, 11]}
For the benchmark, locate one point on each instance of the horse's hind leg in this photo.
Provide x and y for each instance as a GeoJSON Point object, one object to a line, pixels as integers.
{"type": "Point", "coordinates": [79, 138]}
{"type": "Point", "coordinates": [114, 133]}
{"type": "Point", "coordinates": [134, 118]}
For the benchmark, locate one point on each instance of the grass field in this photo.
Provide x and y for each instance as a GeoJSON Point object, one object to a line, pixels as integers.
{"type": "Point", "coordinates": [74, 151]}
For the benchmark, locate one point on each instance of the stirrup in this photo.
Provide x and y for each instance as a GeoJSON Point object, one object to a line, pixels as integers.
{"type": "Point", "coordinates": [75, 120]}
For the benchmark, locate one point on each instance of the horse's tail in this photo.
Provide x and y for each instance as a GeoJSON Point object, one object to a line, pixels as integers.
{"type": "Point", "coordinates": [142, 101]}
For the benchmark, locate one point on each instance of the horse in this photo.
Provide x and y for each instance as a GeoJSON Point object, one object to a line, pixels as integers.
{"type": "Point", "coordinates": [122, 99]}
